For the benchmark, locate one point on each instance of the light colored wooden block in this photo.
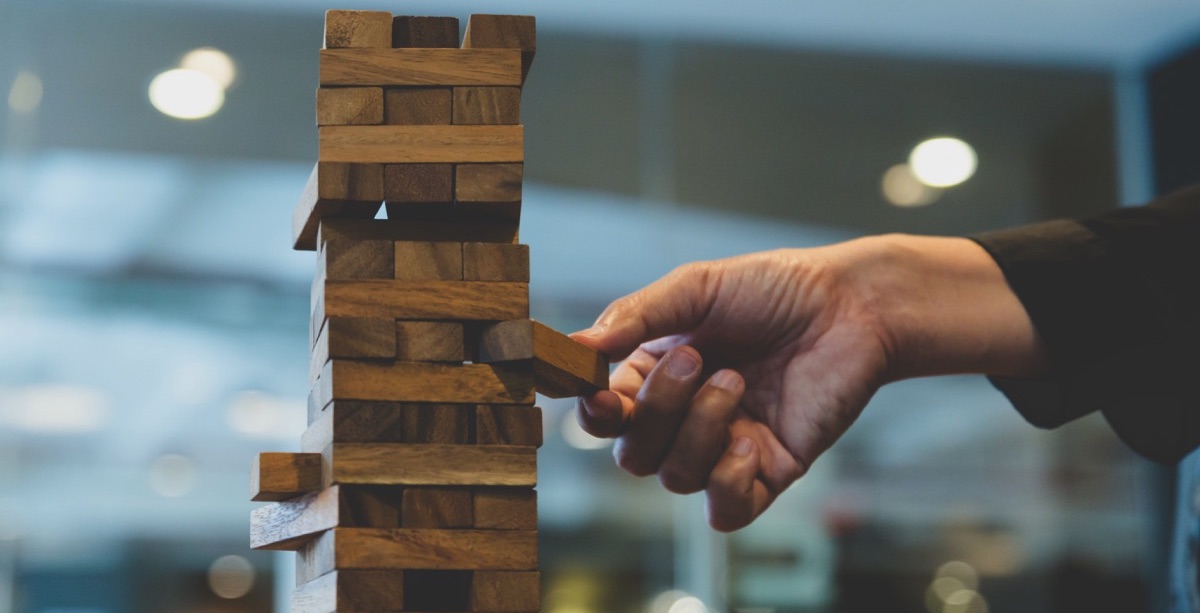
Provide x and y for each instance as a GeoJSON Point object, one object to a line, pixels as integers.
{"type": "Point", "coordinates": [288, 525]}
{"type": "Point", "coordinates": [503, 32]}
{"type": "Point", "coordinates": [429, 341]}
{"type": "Point", "coordinates": [438, 67]}
{"type": "Point", "coordinates": [425, 32]}
{"type": "Point", "coordinates": [418, 183]}
{"type": "Point", "coordinates": [358, 29]}
{"type": "Point", "coordinates": [506, 592]}
{"type": "Point", "coordinates": [367, 548]}
{"type": "Point", "coordinates": [488, 182]}
{"type": "Point", "coordinates": [336, 190]}
{"type": "Point", "coordinates": [344, 106]}
{"type": "Point", "coordinates": [389, 464]}
{"type": "Point", "coordinates": [562, 367]}
{"type": "Point", "coordinates": [417, 106]}
{"type": "Point", "coordinates": [349, 421]}
{"type": "Point", "coordinates": [410, 230]}
{"type": "Point", "coordinates": [280, 476]}
{"type": "Point", "coordinates": [438, 424]}
{"type": "Point", "coordinates": [497, 424]}
{"type": "Point", "coordinates": [427, 261]}
{"type": "Point", "coordinates": [420, 144]}
{"type": "Point", "coordinates": [417, 382]}
{"type": "Point", "coordinates": [499, 508]}
{"type": "Point", "coordinates": [377, 591]}
{"type": "Point", "coordinates": [487, 105]}
{"type": "Point", "coordinates": [495, 262]}
{"type": "Point", "coordinates": [437, 507]}
{"type": "Point", "coordinates": [458, 300]}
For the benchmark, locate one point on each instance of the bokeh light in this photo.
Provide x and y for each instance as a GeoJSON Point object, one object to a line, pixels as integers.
{"type": "Point", "coordinates": [943, 161]}
{"type": "Point", "coordinates": [184, 93]}
{"type": "Point", "coordinates": [231, 577]}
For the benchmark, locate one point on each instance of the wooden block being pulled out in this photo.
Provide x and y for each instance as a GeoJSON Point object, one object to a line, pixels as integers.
{"type": "Point", "coordinates": [367, 548]}
{"type": "Point", "coordinates": [336, 190]}
{"type": "Point", "coordinates": [411, 66]}
{"type": "Point", "coordinates": [377, 591]}
{"type": "Point", "coordinates": [426, 382]}
{"type": "Point", "coordinates": [280, 476]}
{"type": "Point", "coordinates": [563, 367]}
{"type": "Point", "coordinates": [420, 144]}
{"type": "Point", "coordinates": [386, 464]}
{"type": "Point", "coordinates": [288, 525]}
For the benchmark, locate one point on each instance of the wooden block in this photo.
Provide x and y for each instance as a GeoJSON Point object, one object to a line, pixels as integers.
{"type": "Point", "coordinates": [488, 182]}
{"type": "Point", "coordinates": [497, 424]}
{"type": "Point", "coordinates": [420, 144]}
{"type": "Point", "coordinates": [370, 506]}
{"type": "Point", "coordinates": [336, 190]}
{"type": "Point", "coordinates": [417, 106]}
{"type": "Point", "coordinates": [280, 476]}
{"type": "Point", "coordinates": [442, 67]}
{"type": "Point", "coordinates": [358, 29]}
{"type": "Point", "coordinates": [460, 300]}
{"type": "Point", "coordinates": [348, 421]}
{"type": "Point", "coordinates": [343, 106]}
{"type": "Point", "coordinates": [368, 548]}
{"type": "Point", "coordinates": [438, 231]}
{"type": "Point", "coordinates": [503, 32]}
{"type": "Point", "coordinates": [378, 591]}
{"type": "Point", "coordinates": [425, 32]}
{"type": "Point", "coordinates": [389, 464]}
{"type": "Point", "coordinates": [355, 259]}
{"type": "Point", "coordinates": [487, 105]}
{"type": "Point", "coordinates": [505, 592]}
{"type": "Point", "coordinates": [438, 424]}
{"type": "Point", "coordinates": [427, 261]}
{"type": "Point", "coordinates": [437, 507]}
{"type": "Point", "coordinates": [415, 183]}
{"type": "Point", "coordinates": [495, 262]}
{"type": "Point", "coordinates": [505, 508]}
{"type": "Point", "coordinates": [288, 525]}
{"type": "Point", "coordinates": [429, 341]}
{"type": "Point", "coordinates": [562, 367]}
{"type": "Point", "coordinates": [427, 382]}
{"type": "Point", "coordinates": [352, 337]}
{"type": "Point", "coordinates": [437, 590]}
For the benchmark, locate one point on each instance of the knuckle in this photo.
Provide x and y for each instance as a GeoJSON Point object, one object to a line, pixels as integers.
{"type": "Point", "coordinates": [630, 462]}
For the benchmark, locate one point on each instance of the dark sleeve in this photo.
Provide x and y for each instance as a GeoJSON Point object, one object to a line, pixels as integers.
{"type": "Point", "coordinates": [1116, 299]}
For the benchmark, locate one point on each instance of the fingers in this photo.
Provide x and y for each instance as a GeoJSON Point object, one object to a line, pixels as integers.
{"type": "Point", "coordinates": [734, 496]}
{"type": "Point", "coordinates": [703, 435]}
{"type": "Point", "coordinates": [657, 411]}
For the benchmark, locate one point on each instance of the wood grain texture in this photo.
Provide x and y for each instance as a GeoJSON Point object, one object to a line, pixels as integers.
{"type": "Point", "coordinates": [426, 32]}
{"type": "Point", "coordinates": [388, 464]}
{"type": "Point", "coordinates": [412, 66]}
{"type": "Point", "coordinates": [437, 507]}
{"type": "Point", "coordinates": [417, 106]}
{"type": "Point", "coordinates": [488, 182]}
{"type": "Point", "coordinates": [399, 299]}
{"type": "Point", "coordinates": [487, 106]}
{"type": "Point", "coordinates": [344, 106]}
{"type": "Point", "coordinates": [354, 259]}
{"type": "Point", "coordinates": [420, 144]}
{"type": "Point", "coordinates": [278, 476]}
{"type": "Point", "coordinates": [503, 508]}
{"type": "Point", "coordinates": [418, 183]}
{"type": "Point", "coordinates": [349, 421]}
{"type": "Point", "coordinates": [505, 592]}
{"type": "Point", "coordinates": [495, 262]}
{"type": "Point", "coordinates": [504, 32]}
{"type": "Point", "coordinates": [366, 548]}
{"type": "Point", "coordinates": [358, 29]}
{"type": "Point", "coordinates": [563, 367]}
{"type": "Point", "coordinates": [351, 591]}
{"type": "Point", "coordinates": [286, 526]}
{"type": "Point", "coordinates": [438, 424]}
{"type": "Point", "coordinates": [354, 338]}
{"type": "Point", "coordinates": [335, 190]}
{"type": "Point", "coordinates": [429, 341]}
{"type": "Point", "coordinates": [408, 230]}
{"type": "Point", "coordinates": [427, 261]}
{"type": "Point", "coordinates": [497, 424]}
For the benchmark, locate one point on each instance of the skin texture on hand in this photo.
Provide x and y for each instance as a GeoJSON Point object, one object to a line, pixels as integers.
{"type": "Point", "coordinates": [739, 373]}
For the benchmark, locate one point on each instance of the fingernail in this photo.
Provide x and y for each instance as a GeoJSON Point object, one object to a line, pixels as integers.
{"type": "Point", "coordinates": [726, 380]}
{"type": "Point", "coordinates": [741, 447]}
{"type": "Point", "coordinates": [681, 364]}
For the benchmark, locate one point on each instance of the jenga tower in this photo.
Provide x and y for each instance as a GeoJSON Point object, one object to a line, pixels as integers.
{"type": "Point", "coordinates": [413, 490]}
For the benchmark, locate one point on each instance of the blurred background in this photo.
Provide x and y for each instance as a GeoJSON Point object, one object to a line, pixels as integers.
{"type": "Point", "coordinates": [153, 316]}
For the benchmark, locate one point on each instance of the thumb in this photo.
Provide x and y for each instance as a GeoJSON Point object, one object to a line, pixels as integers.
{"type": "Point", "coordinates": [674, 304]}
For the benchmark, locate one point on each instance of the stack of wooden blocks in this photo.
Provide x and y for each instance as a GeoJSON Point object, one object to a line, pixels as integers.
{"type": "Point", "coordinates": [413, 488]}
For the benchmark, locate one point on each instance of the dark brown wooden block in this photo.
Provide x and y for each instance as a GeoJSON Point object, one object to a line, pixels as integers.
{"type": "Point", "coordinates": [417, 106]}
{"type": "Point", "coordinates": [438, 67]}
{"type": "Point", "coordinates": [377, 591]}
{"type": "Point", "coordinates": [505, 508]}
{"type": "Point", "coordinates": [458, 300]}
{"type": "Point", "coordinates": [488, 182]}
{"type": "Point", "coordinates": [420, 144]}
{"type": "Point", "coordinates": [437, 507]}
{"type": "Point", "coordinates": [351, 337]}
{"type": "Point", "coordinates": [418, 183]}
{"type": "Point", "coordinates": [454, 230]}
{"type": "Point", "coordinates": [487, 105]}
{"type": "Point", "coordinates": [343, 106]}
{"type": "Point", "coordinates": [287, 525]}
{"type": "Point", "coordinates": [389, 464]}
{"type": "Point", "coordinates": [368, 548]}
{"type": "Point", "coordinates": [563, 367]}
{"type": "Point", "coordinates": [429, 341]}
{"type": "Point", "coordinates": [497, 424]}
{"type": "Point", "coordinates": [354, 259]}
{"type": "Point", "coordinates": [418, 382]}
{"type": "Point", "coordinates": [349, 421]}
{"type": "Point", "coordinates": [506, 592]}
{"type": "Point", "coordinates": [441, 424]}
{"type": "Point", "coordinates": [280, 476]}
{"type": "Point", "coordinates": [426, 32]}
{"type": "Point", "coordinates": [336, 190]}
{"type": "Point", "coordinates": [495, 262]}
{"type": "Point", "coordinates": [503, 32]}
{"type": "Point", "coordinates": [357, 29]}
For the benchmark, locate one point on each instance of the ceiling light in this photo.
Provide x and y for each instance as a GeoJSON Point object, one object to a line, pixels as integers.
{"type": "Point", "coordinates": [26, 92]}
{"type": "Point", "coordinates": [212, 62]}
{"type": "Point", "coordinates": [943, 162]}
{"type": "Point", "coordinates": [902, 188]}
{"type": "Point", "coordinates": [184, 93]}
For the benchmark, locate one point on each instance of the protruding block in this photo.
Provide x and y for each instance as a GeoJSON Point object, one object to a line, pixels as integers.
{"type": "Point", "coordinates": [388, 464]}
{"type": "Point", "coordinates": [495, 262]}
{"type": "Point", "coordinates": [563, 367]}
{"type": "Point", "coordinates": [497, 424]}
{"type": "Point", "coordinates": [438, 424]}
{"type": "Point", "coordinates": [288, 525]}
{"type": "Point", "coordinates": [506, 592]}
{"type": "Point", "coordinates": [399, 299]}
{"type": "Point", "coordinates": [439, 67]}
{"type": "Point", "coordinates": [487, 105]}
{"type": "Point", "coordinates": [505, 508]}
{"type": "Point", "coordinates": [280, 476]}
{"type": "Point", "coordinates": [336, 190]}
{"type": "Point", "coordinates": [488, 182]}
{"type": "Point", "coordinates": [366, 548]}
{"type": "Point", "coordinates": [503, 32]}
{"type": "Point", "coordinates": [425, 230]}
{"type": "Point", "coordinates": [420, 144]}
{"type": "Point", "coordinates": [344, 106]}
{"type": "Point", "coordinates": [426, 32]}
{"type": "Point", "coordinates": [429, 341]}
{"type": "Point", "coordinates": [417, 106]}
{"type": "Point", "coordinates": [427, 382]}
{"type": "Point", "coordinates": [378, 591]}
{"type": "Point", "coordinates": [358, 29]}
{"type": "Point", "coordinates": [437, 507]}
